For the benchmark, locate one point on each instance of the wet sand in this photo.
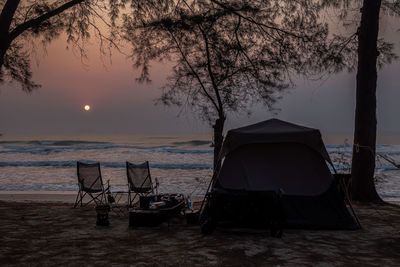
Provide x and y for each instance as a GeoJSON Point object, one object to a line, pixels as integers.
{"type": "Point", "coordinates": [53, 233]}
{"type": "Point", "coordinates": [38, 196]}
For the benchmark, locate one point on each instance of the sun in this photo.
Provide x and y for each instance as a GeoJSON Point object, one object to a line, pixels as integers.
{"type": "Point", "coordinates": [87, 107]}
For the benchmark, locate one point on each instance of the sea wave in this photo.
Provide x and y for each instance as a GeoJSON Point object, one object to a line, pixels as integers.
{"type": "Point", "coordinates": [54, 142]}
{"type": "Point", "coordinates": [380, 168]}
{"type": "Point", "coordinates": [72, 164]}
{"type": "Point", "coordinates": [49, 149]}
{"type": "Point", "coordinates": [192, 143]}
{"type": "Point", "coordinates": [45, 147]}
{"type": "Point", "coordinates": [377, 167]}
{"type": "Point", "coordinates": [53, 147]}
{"type": "Point", "coordinates": [167, 166]}
{"type": "Point", "coordinates": [185, 151]}
{"type": "Point", "coordinates": [349, 147]}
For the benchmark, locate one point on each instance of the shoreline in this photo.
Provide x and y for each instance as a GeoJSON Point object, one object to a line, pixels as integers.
{"type": "Point", "coordinates": [67, 197]}
{"type": "Point", "coordinates": [70, 196]}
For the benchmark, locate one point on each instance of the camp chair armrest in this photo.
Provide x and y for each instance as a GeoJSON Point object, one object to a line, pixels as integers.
{"type": "Point", "coordinates": [108, 186]}
{"type": "Point", "coordinates": [156, 183]}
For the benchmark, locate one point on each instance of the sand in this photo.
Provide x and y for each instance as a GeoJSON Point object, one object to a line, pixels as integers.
{"type": "Point", "coordinates": [53, 233]}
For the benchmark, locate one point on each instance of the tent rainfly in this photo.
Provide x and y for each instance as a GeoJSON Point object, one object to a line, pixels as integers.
{"type": "Point", "coordinates": [278, 156]}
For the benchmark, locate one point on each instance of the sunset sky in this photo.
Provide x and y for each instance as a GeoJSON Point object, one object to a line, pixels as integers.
{"type": "Point", "coordinates": [120, 105]}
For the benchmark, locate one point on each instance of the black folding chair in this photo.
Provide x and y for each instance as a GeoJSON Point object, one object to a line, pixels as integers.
{"type": "Point", "coordinates": [90, 184]}
{"type": "Point", "coordinates": [139, 181]}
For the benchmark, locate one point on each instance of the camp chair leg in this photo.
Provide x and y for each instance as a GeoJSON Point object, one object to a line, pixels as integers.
{"type": "Point", "coordinates": [134, 197]}
{"type": "Point", "coordinates": [94, 198]}
{"type": "Point", "coordinates": [79, 198]}
{"type": "Point", "coordinates": [76, 200]}
{"type": "Point", "coordinates": [131, 201]}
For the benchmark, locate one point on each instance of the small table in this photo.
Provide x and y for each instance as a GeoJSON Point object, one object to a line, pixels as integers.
{"type": "Point", "coordinates": [154, 216]}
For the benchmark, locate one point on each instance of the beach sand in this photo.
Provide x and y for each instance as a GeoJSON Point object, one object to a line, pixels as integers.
{"type": "Point", "coordinates": [51, 232]}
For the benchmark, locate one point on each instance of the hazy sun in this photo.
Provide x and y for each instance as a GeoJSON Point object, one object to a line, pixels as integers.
{"type": "Point", "coordinates": [87, 107]}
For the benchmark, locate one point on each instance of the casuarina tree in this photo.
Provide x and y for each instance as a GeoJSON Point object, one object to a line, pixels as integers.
{"type": "Point", "coordinates": [229, 55]}
{"type": "Point", "coordinates": [372, 52]}
{"type": "Point", "coordinates": [23, 24]}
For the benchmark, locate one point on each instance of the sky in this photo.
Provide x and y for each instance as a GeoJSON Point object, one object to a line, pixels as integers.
{"type": "Point", "coordinates": [120, 105]}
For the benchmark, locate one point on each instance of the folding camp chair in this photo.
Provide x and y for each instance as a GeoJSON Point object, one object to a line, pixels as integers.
{"type": "Point", "coordinates": [90, 183]}
{"type": "Point", "coordinates": [139, 181]}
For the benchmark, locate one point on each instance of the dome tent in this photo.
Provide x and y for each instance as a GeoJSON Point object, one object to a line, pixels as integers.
{"type": "Point", "coordinates": [278, 156]}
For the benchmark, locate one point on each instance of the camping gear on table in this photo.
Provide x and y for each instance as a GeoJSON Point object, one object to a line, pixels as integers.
{"type": "Point", "coordinates": [156, 209]}
{"type": "Point", "coordinates": [139, 181]}
{"type": "Point", "coordinates": [281, 157]}
{"type": "Point", "coordinates": [90, 184]}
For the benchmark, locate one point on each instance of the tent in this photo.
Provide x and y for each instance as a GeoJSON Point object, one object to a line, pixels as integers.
{"type": "Point", "coordinates": [277, 158]}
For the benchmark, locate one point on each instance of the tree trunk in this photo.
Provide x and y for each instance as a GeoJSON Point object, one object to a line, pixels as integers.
{"type": "Point", "coordinates": [4, 45]}
{"type": "Point", "coordinates": [6, 17]}
{"type": "Point", "coordinates": [7, 14]}
{"type": "Point", "coordinates": [363, 162]}
{"type": "Point", "coordinates": [218, 139]}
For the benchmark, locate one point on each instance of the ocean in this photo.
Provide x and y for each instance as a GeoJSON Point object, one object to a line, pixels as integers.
{"type": "Point", "coordinates": [181, 163]}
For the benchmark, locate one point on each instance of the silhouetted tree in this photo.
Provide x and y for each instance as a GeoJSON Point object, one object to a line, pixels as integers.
{"type": "Point", "coordinates": [22, 23]}
{"type": "Point", "coordinates": [371, 52]}
{"type": "Point", "coordinates": [230, 55]}
{"type": "Point", "coordinates": [363, 161]}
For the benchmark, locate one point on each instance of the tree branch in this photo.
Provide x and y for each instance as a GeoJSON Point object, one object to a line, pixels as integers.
{"type": "Point", "coordinates": [7, 15]}
{"type": "Point", "coordinates": [36, 21]}
{"type": "Point", "coordinates": [211, 74]}
{"type": "Point", "coordinates": [194, 72]}
{"type": "Point", "coordinates": [278, 30]}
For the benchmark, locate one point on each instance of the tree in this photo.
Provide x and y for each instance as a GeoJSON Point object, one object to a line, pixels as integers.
{"type": "Point", "coordinates": [230, 55]}
{"type": "Point", "coordinates": [363, 161]}
{"type": "Point", "coordinates": [24, 22]}
{"type": "Point", "coordinates": [372, 52]}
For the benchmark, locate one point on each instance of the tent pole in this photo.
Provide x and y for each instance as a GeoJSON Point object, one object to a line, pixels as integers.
{"type": "Point", "coordinates": [215, 174]}
{"type": "Point", "coordinates": [346, 194]}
